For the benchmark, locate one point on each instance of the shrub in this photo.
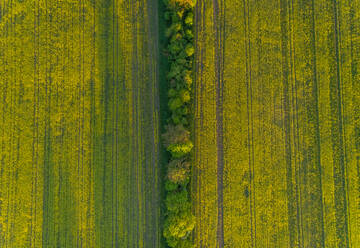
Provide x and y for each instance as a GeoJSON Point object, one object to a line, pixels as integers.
{"type": "Point", "coordinates": [174, 48]}
{"type": "Point", "coordinates": [175, 134]}
{"type": "Point", "coordinates": [184, 110]}
{"type": "Point", "coordinates": [178, 78]}
{"type": "Point", "coordinates": [172, 93]}
{"type": "Point", "coordinates": [189, 34]}
{"type": "Point", "coordinates": [175, 17]}
{"type": "Point", "coordinates": [176, 119]}
{"type": "Point", "coordinates": [180, 13]}
{"type": "Point", "coordinates": [178, 227]}
{"type": "Point", "coordinates": [189, 19]}
{"type": "Point", "coordinates": [182, 54]}
{"type": "Point", "coordinates": [175, 69]}
{"type": "Point", "coordinates": [176, 37]}
{"type": "Point", "coordinates": [171, 186]}
{"type": "Point", "coordinates": [178, 175]}
{"type": "Point", "coordinates": [179, 112]}
{"type": "Point", "coordinates": [172, 74]}
{"type": "Point", "coordinates": [181, 61]}
{"type": "Point", "coordinates": [189, 49]}
{"type": "Point", "coordinates": [178, 171]}
{"type": "Point", "coordinates": [177, 202]}
{"type": "Point", "coordinates": [175, 103]}
{"type": "Point", "coordinates": [188, 79]}
{"type": "Point", "coordinates": [173, 29]}
{"type": "Point", "coordinates": [185, 95]}
{"type": "Point", "coordinates": [180, 150]}
{"type": "Point", "coordinates": [184, 121]}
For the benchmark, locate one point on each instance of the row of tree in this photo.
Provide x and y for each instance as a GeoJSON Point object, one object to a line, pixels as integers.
{"type": "Point", "coordinates": [179, 221]}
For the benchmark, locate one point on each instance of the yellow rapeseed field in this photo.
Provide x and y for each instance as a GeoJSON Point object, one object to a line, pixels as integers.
{"type": "Point", "coordinates": [79, 124]}
{"type": "Point", "coordinates": [277, 124]}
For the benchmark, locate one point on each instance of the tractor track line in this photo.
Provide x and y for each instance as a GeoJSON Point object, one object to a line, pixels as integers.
{"type": "Point", "coordinates": [219, 124]}
{"type": "Point", "coordinates": [3, 143]}
{"type": "Point", "coordinates": [343, 134]}
{"type": "Point", "coordinates": [105, 98]}
{"type": "Point", "coordinates": [7, 171]}
{"type": "Point", "coordinates": [249, 116]}
{"type": "Point", "coordinates": [287, 122]}
{"type": "Point", "coordinates": [92, 124]}
{"type": "Point", "coordinates": [252, 127]}
{"type": "Point", "coordinates": [315, 94]}
{"type": "Point", "coordinates": [295, 128]}
{"type": "Point", "coordinates": [37, 103]}
{"type": "Point", "coordinates": [83, 118]}
{"type": "Point", "coordinates": [12, 195]}
{"type": "Point", "coordinates": [155, 106]}
{"type": "Point", "coordinates": [61, 142]}
{"type": "Point", "coordinates": [341, 228]}
{"type": "Point", "coordinates": [68, 197]}
{"type": "Point", "coordinates": [202, 89]}
{"type": "Point", "coordinates": [117, 134]}
{"type": "Point", "coordinates": [195, 175]}
{"type": "Point", "coordinates": [33, 185]}
{"type": "Point", "coordinates": [113, 129]}
{"type": "Point", "coordinates": [3, 91]}
{"type": "Point", "coordinates": [90, 176]}
{"type": "Point", "coordinates": [142, 131]}
{"type": "Point", "coordinates": [296, 131]}
{"type": "Point", "coordinates": [127, 97]}
{"type": "Point", "coordinates": [47, 172]}
{"type": "Point", "coordinates": [79, 141]}
{"type": "Point", "coordinates": [203, 49]}
{"type": "Point", "coordinates": [135, 88]}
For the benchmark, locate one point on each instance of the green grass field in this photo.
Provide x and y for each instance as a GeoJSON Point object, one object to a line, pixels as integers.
{"type": "Point", "coordinates": [79, 124]}
{"type": "Point", "coordinates": [277, 124]}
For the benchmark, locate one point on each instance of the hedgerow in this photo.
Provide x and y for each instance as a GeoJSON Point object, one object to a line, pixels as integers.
{"type": "Point", "coordinates": [179, 220]}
